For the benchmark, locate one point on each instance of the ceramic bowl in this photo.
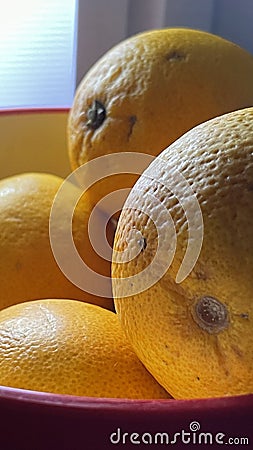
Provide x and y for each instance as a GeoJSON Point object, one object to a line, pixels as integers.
{"type": "Point", "coordinates": [35, 140]}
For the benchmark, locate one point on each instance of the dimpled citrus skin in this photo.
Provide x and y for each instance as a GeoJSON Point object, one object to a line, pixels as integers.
{"type": "Point", "coordinates": [187, 357]}
{"type": "Point", "coordinates": [28, 269]}
{"type": "Point", "coordinates": [154, 87]}
{"type": "Point", "coordinates": [70, 347]}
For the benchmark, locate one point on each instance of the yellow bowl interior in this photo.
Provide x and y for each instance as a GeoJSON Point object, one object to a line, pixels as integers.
{"type": "Point", "coordinates": [33, 141]}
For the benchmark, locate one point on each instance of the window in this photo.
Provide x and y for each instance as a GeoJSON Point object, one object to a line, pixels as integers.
{"type": "Point", "coordinates": [37, 53]}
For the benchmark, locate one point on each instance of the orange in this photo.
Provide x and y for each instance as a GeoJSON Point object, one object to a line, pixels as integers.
{"type": "Point", "coordinates": [28, 267]}
{"type": "Point", "coordinates": [150, 89]}
{"type": "Point", "coordinates": [70, 347]}
{"type": "Point", "coordinates": [193, 333]}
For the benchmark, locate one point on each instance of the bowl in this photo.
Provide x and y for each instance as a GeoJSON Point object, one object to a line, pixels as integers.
{"type": "Point", "coordinates": [35, 420]}
{"type": "Point", "coordinates": [35, 140]}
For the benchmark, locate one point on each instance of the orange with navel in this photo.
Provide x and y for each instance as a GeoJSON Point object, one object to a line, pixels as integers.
{"type": "Point", "coordinates": [150, 89]}
{"type": "Point", "coordinates": [194, 335]}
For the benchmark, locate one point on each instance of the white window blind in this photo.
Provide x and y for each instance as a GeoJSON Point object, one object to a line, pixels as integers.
{"type": "Point", "coordinates": [37, 53]}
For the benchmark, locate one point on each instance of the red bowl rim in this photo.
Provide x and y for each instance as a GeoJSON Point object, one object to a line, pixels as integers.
{"type": "Point", "coordinates": [32, 110]}
{"type": "Point", "coordinates": [73, 401]}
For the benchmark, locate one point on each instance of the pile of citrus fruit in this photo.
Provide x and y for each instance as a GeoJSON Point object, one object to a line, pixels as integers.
{"type": "Point", "coordinates": [175, 320]}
